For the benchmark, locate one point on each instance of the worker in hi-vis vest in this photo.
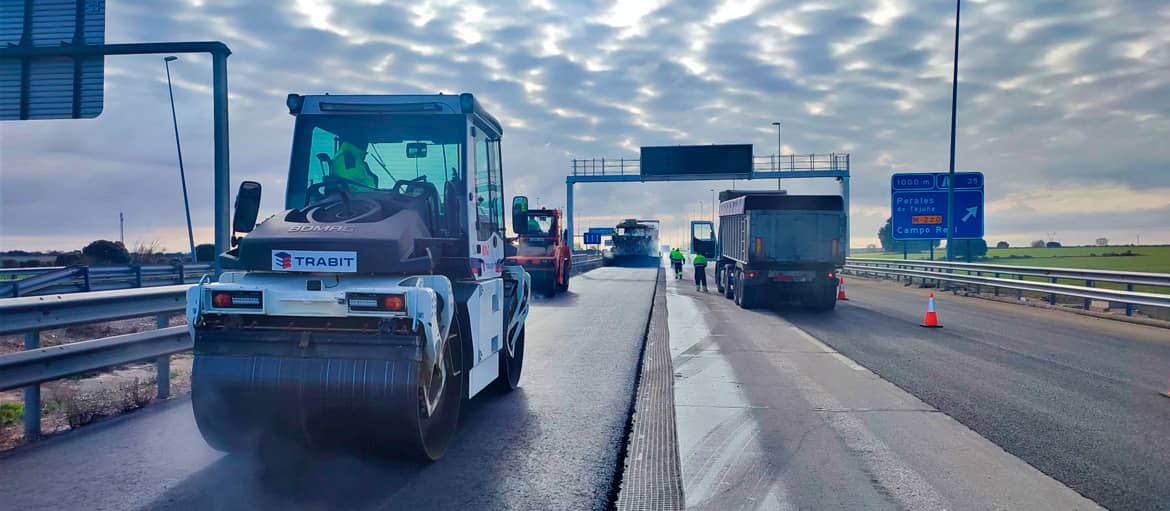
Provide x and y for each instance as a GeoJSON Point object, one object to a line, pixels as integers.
{"type": "Point", "coordinates": [676, 262]}
{"type": "Point", "coordinates": [700, 263]}
{"type": "Point", "coordinates": [349, 163]}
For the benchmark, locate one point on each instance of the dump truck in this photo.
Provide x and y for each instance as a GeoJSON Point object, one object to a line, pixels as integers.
{"type": "Point", "coordinates": [541, 247]}
{"type": "Point", "coordinates": [635, 243]}
{"type": "Point", "coordinates": [778, 247]}
{"type": "Point", "coordinates": [366, 312]}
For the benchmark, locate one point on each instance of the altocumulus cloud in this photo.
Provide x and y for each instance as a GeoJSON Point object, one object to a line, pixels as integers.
{"type": "Point", "coordinates": [1065, 105]}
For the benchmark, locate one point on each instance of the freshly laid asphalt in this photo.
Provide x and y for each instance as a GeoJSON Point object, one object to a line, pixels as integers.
{"type": "Point", "coordinates": [1007, 406]}
{"type": "Point", "coordinates": [551, 444]}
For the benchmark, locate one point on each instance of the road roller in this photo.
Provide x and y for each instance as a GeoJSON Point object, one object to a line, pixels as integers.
{"type": "Point", "coordinates": [365, 313]}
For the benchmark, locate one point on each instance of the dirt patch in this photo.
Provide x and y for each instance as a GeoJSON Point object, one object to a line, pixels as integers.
{"type": "Point", "coordinates": [75, 402]}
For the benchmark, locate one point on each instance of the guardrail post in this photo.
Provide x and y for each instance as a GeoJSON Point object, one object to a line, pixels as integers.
{"type": "Point", "coordinates": [1020, 292]}
{"type": "Point", "coordinates": [996, 288]}
{"type": "Point", "coordinates": [32, 394]}
{"type": "Point", "coordinates": [1052, 296]}
{"type": "Point", "coordinates": [163, 364]}
{"type": "Point", "coordinates": [85, 278]}
{"type": "Point", "coordinates": [1088, 302]}
{"type": "Point", "coordinates": [138, 276]}
{"type": "Point", "coordinates": [182, 277]}
{"type": "Point", "coordinates": [978, 289]}
{"type": "Point", "coordinates": [1129, 306]}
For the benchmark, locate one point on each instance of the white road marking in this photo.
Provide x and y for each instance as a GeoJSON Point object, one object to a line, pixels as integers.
{"type": "Point", "coordinates": [827, 349]}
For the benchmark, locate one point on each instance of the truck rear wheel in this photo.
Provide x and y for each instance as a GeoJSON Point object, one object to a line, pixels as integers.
{"type": "Point", "coordinates": [564, 287]}
{"type": "Point", "coordinates": [745, 297]}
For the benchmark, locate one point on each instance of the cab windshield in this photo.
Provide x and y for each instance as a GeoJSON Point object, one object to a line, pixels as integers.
{"type": "Point", "coordinates": [377, 152]}
{"type": "Point", "coordinates": [541, 224]}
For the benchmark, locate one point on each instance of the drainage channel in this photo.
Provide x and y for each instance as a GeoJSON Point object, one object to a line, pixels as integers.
{"type": "Point", "coordinates": [650, 475]}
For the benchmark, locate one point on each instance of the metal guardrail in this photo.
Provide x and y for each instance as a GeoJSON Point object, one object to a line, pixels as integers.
{"type": "Point", "coordinates": [74, 279]}
{"type": "Point", "coordinates": [974, 274]}
{"type": "Point", "coordinates": [37, 366]}
{"type": "Point", "coordinates": [760, 163]}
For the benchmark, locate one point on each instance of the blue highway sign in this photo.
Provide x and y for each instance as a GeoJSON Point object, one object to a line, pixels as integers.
{"type": "Point", "coordinates": [592, 238]}
{"type": "Point", "coordinates": [604, 231]}
{"type": "Point", "coordinates": [918, 206]}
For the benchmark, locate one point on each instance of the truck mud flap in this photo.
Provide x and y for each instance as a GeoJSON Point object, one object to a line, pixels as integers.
{"type": "Point", "coordinates": [337, 391]}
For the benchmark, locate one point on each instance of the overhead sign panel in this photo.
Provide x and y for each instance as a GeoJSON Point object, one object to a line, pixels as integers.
{"type": "Point", "coordinates": [51, 87]}
{"type": "Point", "coordinates": [918, 206]}
{"type": "Point", "coordinates": [733, 161]}
{"type": "Point", "coordinates": [604, 231]}
{"type": "Point", "coordinates": [592, 238]}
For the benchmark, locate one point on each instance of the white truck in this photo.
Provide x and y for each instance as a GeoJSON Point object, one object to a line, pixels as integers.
{"type": "Point", "coordinates": [364, 314]}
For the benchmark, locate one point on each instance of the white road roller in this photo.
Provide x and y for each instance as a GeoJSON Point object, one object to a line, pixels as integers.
{"type": "Point", "coordinates": [367, 311]}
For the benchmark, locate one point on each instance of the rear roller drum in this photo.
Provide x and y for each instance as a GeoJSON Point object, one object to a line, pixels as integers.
{"type": "Point", "coordinates": [511, 364]}
{"type": "Point", "coordinates": [432, 432]}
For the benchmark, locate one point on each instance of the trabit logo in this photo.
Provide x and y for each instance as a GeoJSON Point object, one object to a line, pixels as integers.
{"type": "Point", "coordinates": [283, 259]}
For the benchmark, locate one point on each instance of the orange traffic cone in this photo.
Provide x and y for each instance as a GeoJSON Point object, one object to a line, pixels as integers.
{"type": "Point", "coordinates": [931, 319]}
{"type": "Point", "coordinates": [841, 288]}
{"type": "Point", "coordinates": [1165, 394]}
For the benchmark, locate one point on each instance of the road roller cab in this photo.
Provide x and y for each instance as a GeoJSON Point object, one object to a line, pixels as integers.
{"type": "Point", "coordinates": [541, 247]}
{"type": "Point", "coordinates": [379, 298]}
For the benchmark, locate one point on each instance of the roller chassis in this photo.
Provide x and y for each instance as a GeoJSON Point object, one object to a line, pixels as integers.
{"type": "Point", "coordinates": [246, 361]}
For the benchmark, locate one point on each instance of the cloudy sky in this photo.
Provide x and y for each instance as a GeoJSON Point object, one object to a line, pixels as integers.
{"type": "Point", "coordinates": [1063, 104]}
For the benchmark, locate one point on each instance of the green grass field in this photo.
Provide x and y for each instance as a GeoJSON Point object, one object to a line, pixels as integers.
{"type": "Point", "coordinates": [1149, 258]}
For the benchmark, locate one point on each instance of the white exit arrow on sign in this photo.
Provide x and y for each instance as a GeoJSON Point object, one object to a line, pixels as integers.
{"type": "Point", "coordinates": [972, 212]}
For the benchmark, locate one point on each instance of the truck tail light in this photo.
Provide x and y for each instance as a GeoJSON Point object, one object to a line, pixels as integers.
{"type": "Point", "coordinates": [376, 302]}
{"type": "Point", "coordinates": [752, 274]}
{"type": "Point", "coordinates": [759, 246]}
{"type": "Point", "coordinates": [237, 299]}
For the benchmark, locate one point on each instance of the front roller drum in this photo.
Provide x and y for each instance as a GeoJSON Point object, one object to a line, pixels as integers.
{"type": "Point", "coordinates": [371, 405]}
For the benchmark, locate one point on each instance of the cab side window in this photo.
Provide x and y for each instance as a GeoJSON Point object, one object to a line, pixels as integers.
{"type": "Point", "coordinates": [485, 222]}
{"type": "Point", "coordinates": [496, 183]}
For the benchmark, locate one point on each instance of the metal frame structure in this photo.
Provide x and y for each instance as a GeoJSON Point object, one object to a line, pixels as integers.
{"type": "Point", "coordinates": [791, 166]}
{"type": "Point", "coordinates": [219, 54]}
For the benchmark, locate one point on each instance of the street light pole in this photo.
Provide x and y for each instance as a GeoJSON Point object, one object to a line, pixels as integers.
{"type": "Point", "coordinates": [951, 174]}
{"type": "Point", "coordinates": [779, 150]}
{"type": "Point", "coordinates": [179, 148]}
{"type": "Point", "coordinates": [713, 203]}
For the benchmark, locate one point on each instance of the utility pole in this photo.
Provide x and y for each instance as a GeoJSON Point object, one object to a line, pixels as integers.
{"type": "Point", "coordinates": [779, 150]}
{"type": "Point", "coordinates": [951, 174]}
{"type": "Point", "coordinates": [121, 229]}
{"type": "Point", "coordinates": [713, 202]}
{"type": "Point", "coordinates": [182, 175]}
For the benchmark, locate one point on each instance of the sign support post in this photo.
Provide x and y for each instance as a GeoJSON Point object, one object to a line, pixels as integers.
{"type": "Point", "coordinates": [219, 54]}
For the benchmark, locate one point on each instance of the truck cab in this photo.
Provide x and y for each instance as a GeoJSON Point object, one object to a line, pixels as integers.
{"type": "Point", "coordinates": [541, 247]}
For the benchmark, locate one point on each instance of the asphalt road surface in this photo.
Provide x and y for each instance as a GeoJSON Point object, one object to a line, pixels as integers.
{"type": "Point", "coordinates": [551, 444]}
{"type": "Point", "coordinates": [1075, 397]}
{"type": "Point", "coordinates": [770, 417]}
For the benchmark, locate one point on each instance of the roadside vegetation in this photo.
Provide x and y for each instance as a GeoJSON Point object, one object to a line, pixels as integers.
{"type": "Point", "coordinates": [1144, 258]}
